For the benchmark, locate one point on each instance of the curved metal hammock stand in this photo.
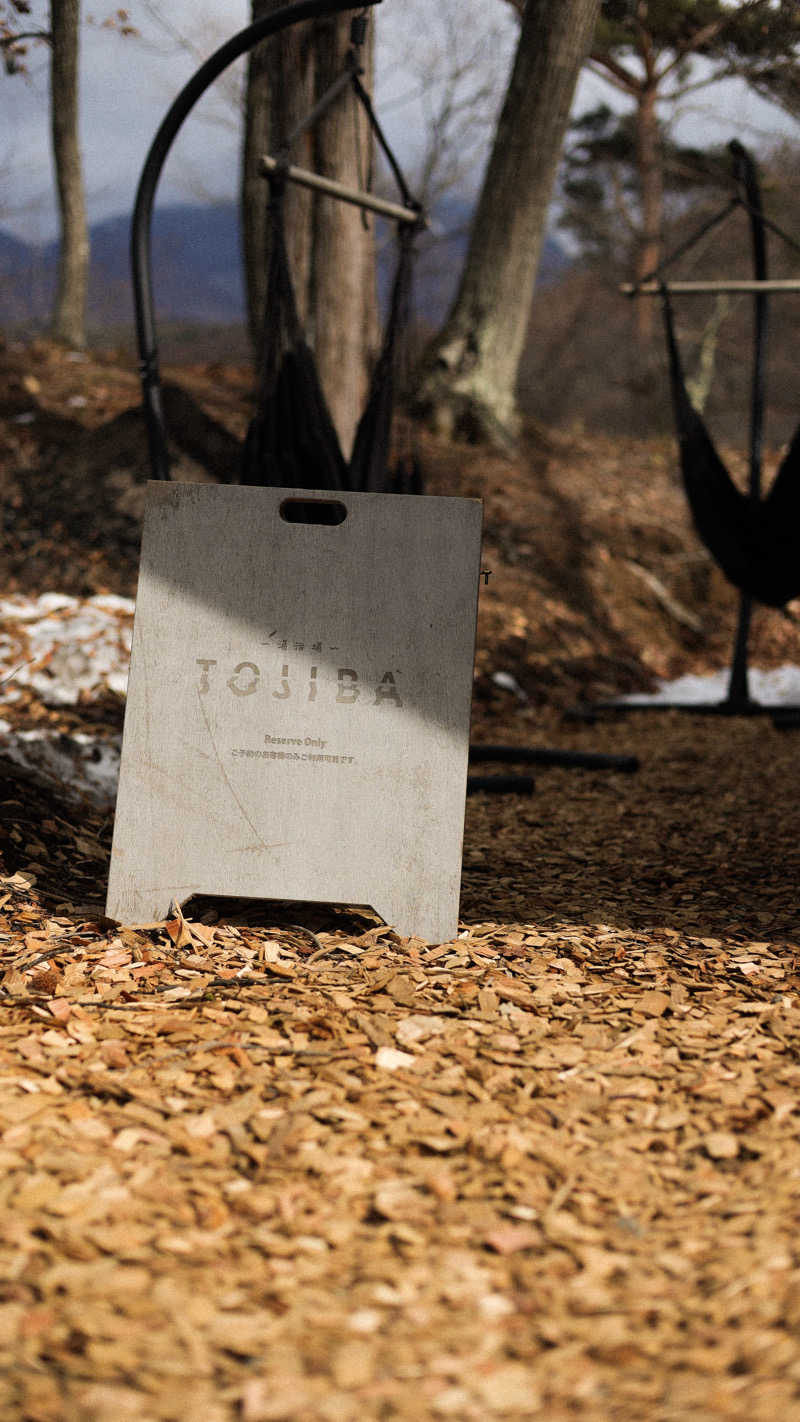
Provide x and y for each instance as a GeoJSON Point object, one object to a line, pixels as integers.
{"type": "Point", "coordinates": [141, 259]}
{"type": "Point", "coordinates": [754, 539]}
{"type": "Point", "coordinates": [282, 450]}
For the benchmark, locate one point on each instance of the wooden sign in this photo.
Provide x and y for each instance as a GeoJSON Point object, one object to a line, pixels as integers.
{"type": "Point", "coordinates": [297, 723]}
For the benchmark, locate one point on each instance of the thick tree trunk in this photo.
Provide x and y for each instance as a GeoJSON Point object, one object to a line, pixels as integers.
{"type": "Point", "coordinates": [343, 301]}
{"type": "Point", "coordinates": [69, 316]}
{"type": "Point", "coordinates": [469, 376]}
{"type": "Point", "coordinates": [331, 248]}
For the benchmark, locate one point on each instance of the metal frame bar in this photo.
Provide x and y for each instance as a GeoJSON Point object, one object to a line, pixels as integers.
{"type": "Point", "coordinates": [539, 755]}
{"type": "Point", "coordinates": [700, 288]}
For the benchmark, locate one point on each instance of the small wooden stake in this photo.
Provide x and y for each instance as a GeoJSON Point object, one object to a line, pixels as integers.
{"type": "Point", "coordinates": [343, 193]}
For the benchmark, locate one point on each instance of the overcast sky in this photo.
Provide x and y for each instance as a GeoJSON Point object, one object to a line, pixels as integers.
{"type": "Point", "coordinates": [128, 84]}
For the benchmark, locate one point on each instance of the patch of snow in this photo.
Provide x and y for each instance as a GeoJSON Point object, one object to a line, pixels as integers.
{"type": "Point", "coordinates": [63, 646]}
{"type": "Point", "coordinates": [779, 687]}
{"type": "Point", "coordinates": [78, 765]}
{"type": "Point", "coordinates": [507, 682]}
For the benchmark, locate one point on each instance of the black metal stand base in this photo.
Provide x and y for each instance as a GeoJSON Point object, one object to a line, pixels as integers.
{"type": "Point", "coordinates": [500, 784]}
{"type": "Point", "coordinates": [783, 717]}
{"type": "Point", "coordinates": [537, 755]}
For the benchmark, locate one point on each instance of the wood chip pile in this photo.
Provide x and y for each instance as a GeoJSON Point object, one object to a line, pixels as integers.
{"type": "Point", "coordinates": [258, 1171]}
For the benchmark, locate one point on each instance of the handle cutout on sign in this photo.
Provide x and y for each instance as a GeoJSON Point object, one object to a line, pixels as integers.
{"type": "Point", "coordinates": [319, 511]}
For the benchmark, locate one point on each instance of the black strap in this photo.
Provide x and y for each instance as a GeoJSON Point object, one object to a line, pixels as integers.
{"type": "Point", "coordinates": [369, 462]}
{"type": "Point", "coordinates": [292, 441]}
{"type": "Point", "coordinates": [351, 77]}
{"type": "Point", "coordinates": [391, 159]}
{"type": "Point", "coordinates": [691, 241]}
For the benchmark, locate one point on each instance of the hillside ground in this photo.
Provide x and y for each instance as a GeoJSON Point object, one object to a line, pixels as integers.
{"type": "Point", "coordinates": [272, 1161]}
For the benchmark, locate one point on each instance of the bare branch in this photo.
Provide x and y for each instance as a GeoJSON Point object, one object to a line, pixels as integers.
{"type": "Point", "coordinates": [614, 73]}
{"type": "Point", "coordinates": [648, 53]}
{"type": "Point", "coordinates": [7, 41]}
{"type": "Point", "coordinates": [700, 38]}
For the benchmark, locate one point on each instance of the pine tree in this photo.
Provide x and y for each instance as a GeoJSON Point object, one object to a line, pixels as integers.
{"type": "Point", "coordinates": [649, 50]}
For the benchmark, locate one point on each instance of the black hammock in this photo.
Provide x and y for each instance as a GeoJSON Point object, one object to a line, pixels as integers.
{"type": "Point", "coordinates": [755, 541]}
{"type": "Point", "coordinates": [292, 442]}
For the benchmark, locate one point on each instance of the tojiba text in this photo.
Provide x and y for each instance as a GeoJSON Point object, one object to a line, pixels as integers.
{"type": "Point", "coordinates": [246, 680]}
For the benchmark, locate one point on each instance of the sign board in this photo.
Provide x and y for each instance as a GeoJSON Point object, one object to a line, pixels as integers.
{"type": "Point", "coordinates": [297, 724]}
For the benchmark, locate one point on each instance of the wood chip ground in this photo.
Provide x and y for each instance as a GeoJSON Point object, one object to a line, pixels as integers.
{"type": "Point", "coordinates": [272, 1164]}
{"type": "Point", "coordinates": [549, 1169]}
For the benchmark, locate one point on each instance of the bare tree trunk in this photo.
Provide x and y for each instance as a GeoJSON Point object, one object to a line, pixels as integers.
{"type": "Point", "coordinates": [698, 388]}
{"type": "Point", "coordinates": [651, 190]}
{"type": "Point", "coordinates": [343, 300]}
{"type": "Point", "coordinates": [469, 376]}
{"type": "Point", "coordinates": [280, 92]}
{"type": "Point", "coordinates": [331, 250]}
{"type": "Point", "coordinates": [69, 316]}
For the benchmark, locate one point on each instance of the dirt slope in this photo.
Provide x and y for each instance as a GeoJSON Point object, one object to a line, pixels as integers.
{"type": "Point", "coordinates": [598, 582]}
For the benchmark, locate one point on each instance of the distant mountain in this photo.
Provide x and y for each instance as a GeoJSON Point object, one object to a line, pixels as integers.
{"type": "Point", "coordinates": [12, 253]}
{"type": "Point", "coordinates": [21, 272]}
{"type": "Point", "coordinates": [197, 268]}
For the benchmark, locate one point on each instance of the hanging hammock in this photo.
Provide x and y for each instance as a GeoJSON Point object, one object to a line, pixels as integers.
{"type": "Point", "coordinates": [292, 441]}
{"type": "Point", "coordinates": [755, 541]}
